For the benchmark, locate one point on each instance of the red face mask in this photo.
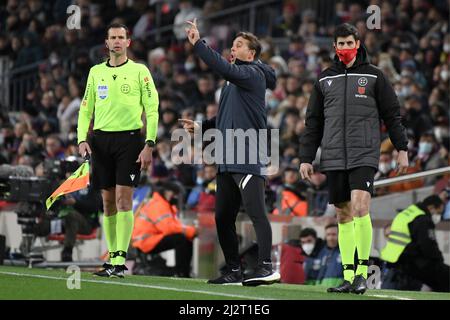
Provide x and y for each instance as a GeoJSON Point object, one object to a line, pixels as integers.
{"type": "Point", "coordinates": [346, 55]}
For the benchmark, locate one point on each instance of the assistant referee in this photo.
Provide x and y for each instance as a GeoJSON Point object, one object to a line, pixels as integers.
{"type": "Point", "coordinates": [117, 92]}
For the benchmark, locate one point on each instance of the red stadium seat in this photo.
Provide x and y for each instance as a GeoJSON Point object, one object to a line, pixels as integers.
{"type": "Point", "coordinates": [60, 236]}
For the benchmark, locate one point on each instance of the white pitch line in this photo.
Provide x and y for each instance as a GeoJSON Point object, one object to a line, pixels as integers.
{"type": "Point", "coordinates": [128, 284]}
{"type": "Point", "coordinates": [386, 296]}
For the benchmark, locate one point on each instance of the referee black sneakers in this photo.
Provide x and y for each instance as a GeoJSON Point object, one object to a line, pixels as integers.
{"type": "Point", "coordinates": [106, 271]}
{"type": "Point", "coordinates": [118, 271]}
{"type": "Point", "coordinates": [263, 274]}
{"type": "Point", "coordinates": [345, 287]}
{"type": "Point", "coordinates": [229, 277]}
{"type": "Point", "coordinates": [359, 285]}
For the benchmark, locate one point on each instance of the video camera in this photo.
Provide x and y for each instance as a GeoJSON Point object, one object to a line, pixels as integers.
{"type": "Point", "coordinates": [59, 168]}
{"type": "Point", "coordinates": [19, 185]}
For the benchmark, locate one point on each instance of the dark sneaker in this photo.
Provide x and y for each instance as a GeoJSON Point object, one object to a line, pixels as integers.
{"type": "Point", "coordinates": [106, 271]}
{"type": "Point", "coordinates": [66, 255]}
{"type": "Point", "coordinates": [345, 287]}
{"type": "Point", "coordinates": [359, 285]}
{"type": "Point", "coordinates": [118, 271]}
{"type": "Point", "coordinates": [230, 277]}
{"type": "Point", "coordinates": [263, 274]}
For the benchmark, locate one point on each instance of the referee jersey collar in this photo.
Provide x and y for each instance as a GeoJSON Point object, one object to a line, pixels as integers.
{"type": "Point", "coordinates": [108, 65]}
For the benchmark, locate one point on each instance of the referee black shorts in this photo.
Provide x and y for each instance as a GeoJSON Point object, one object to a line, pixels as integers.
{"type": "Point", "coordinates": [114, 156]}
{"type": "Point", "coordinates": [342, 182]}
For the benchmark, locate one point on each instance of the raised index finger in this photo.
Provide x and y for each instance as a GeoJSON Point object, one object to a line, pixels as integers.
{"type": "Point", "coordinates": [193, 24]}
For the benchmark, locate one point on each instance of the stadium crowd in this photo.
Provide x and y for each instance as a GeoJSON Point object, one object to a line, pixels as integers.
{"type": "Point", "coordinates": [412, 48]}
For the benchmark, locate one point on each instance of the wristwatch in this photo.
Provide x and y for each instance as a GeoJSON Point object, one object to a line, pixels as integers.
{"type": "Point", "coordinates": [150, 143]}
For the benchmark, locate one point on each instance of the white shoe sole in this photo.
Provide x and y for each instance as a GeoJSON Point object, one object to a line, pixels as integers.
{"type": "Point", "coordinates": [270, 279]}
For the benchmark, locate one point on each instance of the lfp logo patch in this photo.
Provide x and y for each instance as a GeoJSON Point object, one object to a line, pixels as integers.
{"type": "Point", "coordinates": [102, 91]}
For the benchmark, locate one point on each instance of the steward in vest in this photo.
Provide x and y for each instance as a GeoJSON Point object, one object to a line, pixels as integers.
{"type": "Point", "coordinates": [412, 248]}
{"type": "Point", "coordinates": [158, 229]}
{"type": "Point", "coordinates": [290, 201]}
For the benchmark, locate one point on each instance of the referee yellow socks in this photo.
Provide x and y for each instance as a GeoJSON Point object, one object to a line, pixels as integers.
{"type": "Point", "coordinates": [363, 237]}
{"type": "Point", "coordinates": [109, 227]}
{"type": "Point", "coordinates": [124, 229]}
{"type": "Point", "coordinates": [347, 247]}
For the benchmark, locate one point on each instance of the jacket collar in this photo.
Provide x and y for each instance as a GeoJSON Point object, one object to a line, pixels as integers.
{"type": "Point", "coordinates": [108, 65]}
{"type": "Point", "coordinates": [238, 62]}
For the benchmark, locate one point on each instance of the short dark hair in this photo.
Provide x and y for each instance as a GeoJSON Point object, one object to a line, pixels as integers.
{"type": "Point", "coordinates": [117, 26]}
{"type": "Point", "coordinates": [331, 225]}
{"type": "Point", "coordinates": [308, 232]}
{"type": "Point", "coordinates": [345, 30]}
{"type": "Point", "coordinates": [168, 186]}
{"type": "Point", "coordinates": [253, 40]}
{"type": "Point", "coordinates": [433, 200]}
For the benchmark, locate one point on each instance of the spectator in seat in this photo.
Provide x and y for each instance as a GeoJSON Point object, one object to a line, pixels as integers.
{"type": "Point", "coordinates": [428, 155]}
{"type": "Point", "coordinates": [187, 12]}
{"type": "Point", "coordinates": [202, 198]}
{"type": "Point", "coordinates": [311, 246]}
{"type": "Point", "coordinates": [330, 272]}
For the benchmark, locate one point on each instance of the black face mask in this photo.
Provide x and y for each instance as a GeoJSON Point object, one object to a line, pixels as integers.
{"type": "Point", "coordinates": [173, 201]}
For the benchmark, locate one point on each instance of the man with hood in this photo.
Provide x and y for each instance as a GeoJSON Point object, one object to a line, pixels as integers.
{"type": "Point", "coordinates": [343, 116]}
{"type": "Point", "coordinates": [241, 108]}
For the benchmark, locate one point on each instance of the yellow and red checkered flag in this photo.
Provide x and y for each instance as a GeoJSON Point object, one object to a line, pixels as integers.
{"type": "Point", "coordinates": [77, 181]}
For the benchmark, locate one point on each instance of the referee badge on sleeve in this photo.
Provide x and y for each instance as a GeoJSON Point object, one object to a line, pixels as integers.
{"type": "Point", "coordinates": [102, 91]}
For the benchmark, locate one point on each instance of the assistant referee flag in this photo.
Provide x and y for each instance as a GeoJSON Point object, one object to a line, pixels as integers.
{"type": "Point", "coordinates": [77, 181]}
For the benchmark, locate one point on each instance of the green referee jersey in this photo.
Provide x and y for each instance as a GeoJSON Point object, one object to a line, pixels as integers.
{"type": "Point", "coordinates": [116, 96]}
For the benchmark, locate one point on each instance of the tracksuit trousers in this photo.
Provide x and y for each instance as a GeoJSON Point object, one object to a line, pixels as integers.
{"type": "Point", "coordinates": [232, 190]}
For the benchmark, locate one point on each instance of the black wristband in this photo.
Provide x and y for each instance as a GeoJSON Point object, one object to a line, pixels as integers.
{"type": "Point", "coordinates": [150, 143]}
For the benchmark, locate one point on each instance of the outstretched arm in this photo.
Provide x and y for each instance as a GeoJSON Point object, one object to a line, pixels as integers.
{"type": "Point", "coordinates": [241, 75]}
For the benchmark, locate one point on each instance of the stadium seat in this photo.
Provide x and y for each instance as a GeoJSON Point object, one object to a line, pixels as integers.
{"type": "Point", "coordinates": [80, 240]}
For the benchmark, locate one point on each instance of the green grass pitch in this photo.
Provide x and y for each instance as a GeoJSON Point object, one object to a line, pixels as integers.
{"type": "Point", "coordinates": [42, 284]}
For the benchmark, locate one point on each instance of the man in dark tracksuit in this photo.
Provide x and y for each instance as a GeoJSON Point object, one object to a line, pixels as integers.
{"type": "Point", "coordinates": [241, 106]}
{"type": "Point", "coordinates": [343, 117]}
